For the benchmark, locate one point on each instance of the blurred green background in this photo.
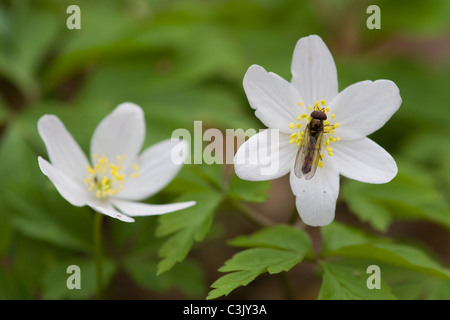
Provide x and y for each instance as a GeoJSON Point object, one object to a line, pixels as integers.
{"type": "Point", "coordinates": [183, 61]}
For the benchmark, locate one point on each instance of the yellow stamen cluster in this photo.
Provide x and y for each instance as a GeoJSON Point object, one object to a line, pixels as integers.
{"type": "Point", "coordinates": [329, 128]}
{"type": "Point", "coordinates": [106, 178]}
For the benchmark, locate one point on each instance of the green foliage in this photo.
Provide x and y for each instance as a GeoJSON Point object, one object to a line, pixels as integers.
{"type": "Point", "coordinates": [273, 250]}
{"type": "Point", "coordinates": [348, 283]}
{"type": "Point", "coordinates": [380, 205]}
{"type": "Point", "coordinates": [185, 227]}
{"type": "Point", "coordinates": [183, 62]}
{"type": "Point", "coordinates": [343, 241]}
{"type": "Point", "coordinates": [186, 276]}
{"type": "Point", "coordinates": [54, 279]}
{"type": "Point", "coordinates": [249, 190]}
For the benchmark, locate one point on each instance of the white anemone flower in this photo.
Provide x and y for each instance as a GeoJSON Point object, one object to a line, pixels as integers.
{"type": "Point", "coordinates": [286, 107]}
{"type": "Point", "coordinates": [118, 176]}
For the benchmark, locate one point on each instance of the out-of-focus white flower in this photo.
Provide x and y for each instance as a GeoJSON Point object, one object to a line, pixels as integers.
{"type": "Point", "coordinates": [118, 176]}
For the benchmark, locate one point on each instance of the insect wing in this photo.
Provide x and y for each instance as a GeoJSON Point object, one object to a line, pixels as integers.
{"type": "Point", "coordinates": [301, 154]}
{"type": "Point", "coordinates": [308, 155]}
{"type": "Point", "coordinates": [315, 155]}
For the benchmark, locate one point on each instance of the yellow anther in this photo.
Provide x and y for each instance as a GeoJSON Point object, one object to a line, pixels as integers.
{"type": "Point", "coordinates": [320, 164]}
{"type": "Point", "coordinates": [329, 149]}
{"type": "Point", "coordinates": [293, 135]}
{"type": "Point", "coordinates": [107, 178]}
{"type": "Point", "coordinates": [310, 108]}
{"type": "Point", "coordinates": [291, 125]}
{"type": "Point", "coordinates": [332, 116]}
{"type": "Point", "coordinates": [300, 104]}
{"type": "Point", "coordinates": [330, 153]}
{"type": "Point", "coordinates": [304, 115]}
{"type": "Point", "coordinates": [326, 122]}
{"type": "Point", "coordinates": [298, 125]}
{"type": "Point", "coordinates": [309, 118]}
{"type": "Point", "coordinates": [336, 125]}
{"type": "Point", "coordinates": [327, 110]}
{"type": "Point", "coordinates": [316, 104]}
{"type": "Point", "coordinates": [292, 141]}
{"type": "Point", "coordinates": [298, 118]}
{"type": "Point", "coordinates": [323, 102]}
{"type": "Point", "coordinates": [338, 138]}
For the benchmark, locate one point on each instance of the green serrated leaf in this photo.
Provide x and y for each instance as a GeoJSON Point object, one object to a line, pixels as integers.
{"type": "Point", "coordinates": [272, 250]}
{"type": "Point", "coordinates": [261, 260]}
{"type": "Point", "coordinates": [280, 237]}
{"type": "Point", "coordinates": [337, 235]}
{"type": "Point", "coordinates": [357, 244]}
{"type": "Point", "coordinates": [411, 195]}
{"type": "Point", "coordinates": [349, 283]}
{"type": "Point", "coordinates": [229, 282]}
{"type": "Point", "coordinates": [411, 285]}
{"type": "Point", "coordinates": [185, 227]}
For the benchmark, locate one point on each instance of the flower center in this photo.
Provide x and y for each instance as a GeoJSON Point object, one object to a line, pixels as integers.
{"type": "Point", "coordinates": [106, 178]}
{"type": "Point", "coordinates": [298, 135]}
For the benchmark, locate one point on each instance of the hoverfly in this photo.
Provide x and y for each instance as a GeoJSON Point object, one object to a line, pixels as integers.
{"type": "Point", "coordinates": [308, 156]}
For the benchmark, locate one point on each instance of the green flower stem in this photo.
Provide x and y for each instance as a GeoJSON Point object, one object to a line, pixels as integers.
{"type": "Point", "coordinates": [98, 217]}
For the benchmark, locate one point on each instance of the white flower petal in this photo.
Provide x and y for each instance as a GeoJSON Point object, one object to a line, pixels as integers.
{"type": "Point", "coordinates": [73, 191]}
{"type": "Point", "coordinates": [274, 99]}
{"type": "Point", "coordinates": [364, 107]}
{"type": "Point", "coordinates": [63, 151]}
{"type": "Point", "coordinates": [157, 167]}
{"type": "Point", "coordinates": [135, 209]}
{"type": "Point", "coordinates": [364, 160]}
{"type": "Point", "coordinates": [265, 156]}
{"type": "Point", "coordinates": [106, 208]}
{"type": "Point", "coordinates": [313, 70]}
{"type": "Point", "coordinates": [122, 132]}
{"type": "Point", "coordinates": [316, 198]}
